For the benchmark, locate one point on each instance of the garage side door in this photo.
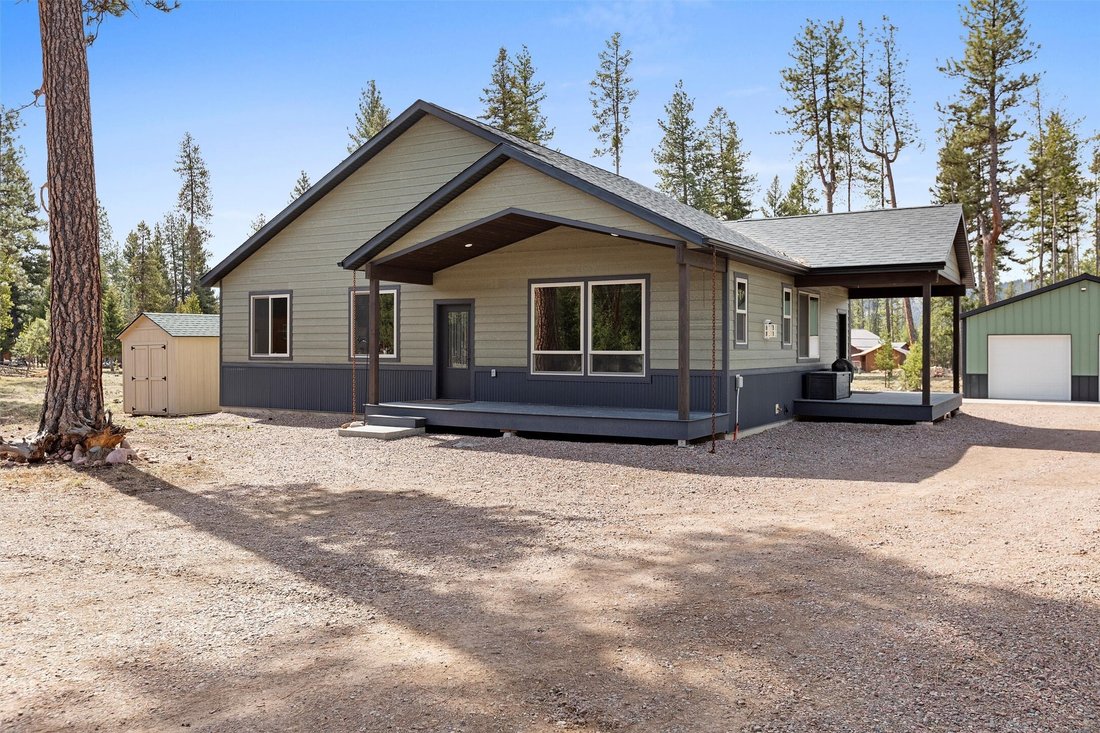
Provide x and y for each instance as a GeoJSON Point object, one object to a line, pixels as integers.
{"type": "Point", "coordinates": [1030, 367]}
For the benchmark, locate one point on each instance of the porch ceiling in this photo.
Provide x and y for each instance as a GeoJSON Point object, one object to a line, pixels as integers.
{"type": "Point", "coordinates": [419, 262]}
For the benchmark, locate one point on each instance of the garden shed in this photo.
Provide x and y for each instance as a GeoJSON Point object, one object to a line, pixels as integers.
{"type": "Point", "coordinates": [170, 364]}
{"type": "Point", "coordinates": [1042, 345]}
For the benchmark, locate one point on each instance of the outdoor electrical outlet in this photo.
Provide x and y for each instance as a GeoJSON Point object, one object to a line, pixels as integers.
{"type": "Point", "coordinates": [493, 373]}
{"type": "Point", "coordinates": [778, 408]}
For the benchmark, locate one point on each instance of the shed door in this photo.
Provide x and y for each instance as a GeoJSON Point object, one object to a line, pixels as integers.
{"type": "Point", "coordinates": [1030, 367]}
{"type": "Point", "coordinates": [150, 379]}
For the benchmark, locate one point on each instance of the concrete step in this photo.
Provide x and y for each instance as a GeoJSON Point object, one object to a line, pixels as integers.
{"type": "Point", "coordinates": [396, 421]}
{"type": "Point", "coordinates": [378, 432]}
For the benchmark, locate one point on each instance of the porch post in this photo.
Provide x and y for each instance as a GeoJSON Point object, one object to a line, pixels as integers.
{"type": "Point", "coordinates": [372, 338]}
{"type": "Point", "coordinates": [956, 372]}
{"type": "Point", "coordinates": [926, 346]}
{"type": "Point", "coordinates": [683, 373]}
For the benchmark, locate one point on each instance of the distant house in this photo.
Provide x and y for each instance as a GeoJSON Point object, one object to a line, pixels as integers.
{"type": "Point", "coordinates": [452, 272]}
{"type": "Point", "coordinates": [864, 350]}
{"type": "Point", "coordinates": [1042, 345]}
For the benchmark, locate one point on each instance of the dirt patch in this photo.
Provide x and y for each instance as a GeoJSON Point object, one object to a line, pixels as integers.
{"type": "Point", "coordinates": [260, 573]}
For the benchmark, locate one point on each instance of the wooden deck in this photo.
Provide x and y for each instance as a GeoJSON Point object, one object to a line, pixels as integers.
{"type": "Point", "coordinates": [890, 407]}
{"type": "Point", "coordinates": [614, 422]}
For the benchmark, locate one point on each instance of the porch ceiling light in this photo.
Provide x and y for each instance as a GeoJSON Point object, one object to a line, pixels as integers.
{"type": "Point", "coordinates": [468, 245]}
{"type": "Point", "coordinates": [613, 234]}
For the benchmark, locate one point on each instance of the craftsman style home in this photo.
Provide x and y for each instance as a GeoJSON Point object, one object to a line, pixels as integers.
{"type": "Point", "coordinates": [449, 271]}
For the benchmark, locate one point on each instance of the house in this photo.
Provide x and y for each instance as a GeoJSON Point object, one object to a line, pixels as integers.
{"type": "Point", "coordinates": [170, 364]}
{"type": "Point", "coordinates": [864, 350]}
{"type": "Point", "coordinates": [452, 272]}
{"type": "Point", "coordinates": [1042, 345]}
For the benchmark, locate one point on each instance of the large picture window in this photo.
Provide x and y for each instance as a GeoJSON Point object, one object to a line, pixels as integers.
{"type": "Point", "coordinates": [270, 325]}
{"type": "Point", "coordinates": [809, 341]}
{"type": "Point", "coordinates": [616, 311]}
{"type": "Point", "coordinates": [387, 323]}
{"type": "Point", "coordinates": [556, 319]}
{"type": "Point", "coordinates": [741, 311]}
{"type": "Point", "coordinates": [594, 327]}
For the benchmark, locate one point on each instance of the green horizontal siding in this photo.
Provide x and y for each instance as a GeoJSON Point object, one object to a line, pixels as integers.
{"type": "Point", "coordinates": [1067, 310]}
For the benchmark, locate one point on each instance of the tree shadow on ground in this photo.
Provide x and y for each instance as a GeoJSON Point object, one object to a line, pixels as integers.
{"type": "Point", "coordinates": [787, 629]}
{"type": "Point", "coordinates": [822, 451]}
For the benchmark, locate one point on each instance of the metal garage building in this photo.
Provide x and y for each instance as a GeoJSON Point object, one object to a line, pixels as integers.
{"type": "Point", "coordinates": [170, 364]}
{"type": "Point", "coordinates": [1042, 345]}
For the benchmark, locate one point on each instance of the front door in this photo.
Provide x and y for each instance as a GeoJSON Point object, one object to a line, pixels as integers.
{"type": "Point", "coordinates": [453, 351]}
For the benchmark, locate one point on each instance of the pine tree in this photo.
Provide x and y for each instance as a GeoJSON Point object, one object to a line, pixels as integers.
{"type": "Point", "coordinates": [773, 200]}
{"type": "Point", "coordinates": [1094, 169]}
{"type": "Point", "coordinates": [681, 155]}
{"type": "Point", "coordinates": [729, 184]}
{"type": "Point", "coordinates": [959, 180]}
{"type": "Point", "coordinates": [148, 278]}
{"type": "Point", "coordinates": [499, 98]}
{"type": "Point", "coordinates": [821, 84]}
{"type": "Point", "coordinates": [370, 118]}
{"type": "Point", "coordinates": [23, 259]}
{"type": "Point", "coordinates": [113, 322]}
{"type": "Point", "coordinates": [801, 198]}
{"type": "Point", "coordinates": [300, 186]}
{"type": "Point", "coordinates": [195, 205]}
{"type": "Point", "coordinates": [173, 226]}
{"type": "Point", "coordinates": [258, 223]}
{"type": "Point", "coordinates": [190, 305]}
{"type": "Point", "coordinates": [531, 124]}
{"type": "Point", "coordinates": [611, 96]}
{"type": "Point", "coordinates": [992, 84]}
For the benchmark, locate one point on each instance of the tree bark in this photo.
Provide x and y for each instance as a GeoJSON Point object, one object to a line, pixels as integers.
{"type": "Point", "coordinates": [73, 404]}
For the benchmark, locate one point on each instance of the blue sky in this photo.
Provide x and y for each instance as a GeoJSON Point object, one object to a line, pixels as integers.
{"type": "Point", "coordinates": [270, 88]}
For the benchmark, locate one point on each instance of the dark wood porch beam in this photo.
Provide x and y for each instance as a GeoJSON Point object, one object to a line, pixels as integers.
{"type": "Point", "coordinates": [700, 259]}
{"type": "Point", "coordinates": [955, 364]}
{"type": "Point", "coordinates": [374, 306]}
{"type": "Point", "coordinates": [683, 364]}
{"type": "Point", "coordinates": [926, 347]}
{"type": "Point", "coordinates": [395, 274]}
{"type": "Point", "coordinates": [911, 278]}
{"type": "Point", "coordinates": [912, 291]}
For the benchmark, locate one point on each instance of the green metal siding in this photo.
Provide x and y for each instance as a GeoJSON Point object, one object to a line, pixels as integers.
{"type": "Point", "coordinates": [1066, 310]}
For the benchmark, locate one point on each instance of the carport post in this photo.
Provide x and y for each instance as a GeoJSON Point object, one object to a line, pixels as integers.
{"type": "Point", "coordinates": [955, 370]}
{"type": "Point", "coordinates": [372, 347]}
{"type": "Point", "coordinates": [926, 347]}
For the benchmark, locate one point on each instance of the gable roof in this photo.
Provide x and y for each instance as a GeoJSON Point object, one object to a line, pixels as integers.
{"type": "Point", "coordinates": [182, 324]}
{"type": "Point", "coordinates": [792, 244]}
{"type": "Point", "coordinates": [921, 235]}
{"type": "Point", "coordinates": [1084, 277]}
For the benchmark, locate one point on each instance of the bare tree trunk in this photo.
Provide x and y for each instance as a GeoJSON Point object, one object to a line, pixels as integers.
{"type": "Point", "coordinates": [73, 405]}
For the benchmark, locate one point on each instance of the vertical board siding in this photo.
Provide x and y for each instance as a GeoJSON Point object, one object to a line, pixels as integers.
{"type": "Point", "coordinates": [303, 256]}
{"type": "Point", "coordinates": [1065, 310]}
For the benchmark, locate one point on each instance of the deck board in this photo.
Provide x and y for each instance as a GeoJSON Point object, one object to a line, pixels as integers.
{"type": "Point", "coordinates": [881, 407]}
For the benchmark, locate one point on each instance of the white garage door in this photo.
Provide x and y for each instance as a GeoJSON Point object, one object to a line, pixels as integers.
{"type": "Point", "coordinates": [1029, 367]}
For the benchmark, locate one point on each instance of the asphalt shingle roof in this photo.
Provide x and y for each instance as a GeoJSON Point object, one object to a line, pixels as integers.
{"type": "Point", "coordinates": [186, 324]}
{"type": "Point", "coordinates": [861, 238]}
{"type": "Point", "coordinates": [636, 193]}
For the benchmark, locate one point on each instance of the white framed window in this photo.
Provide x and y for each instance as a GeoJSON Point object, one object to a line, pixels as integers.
{"type": "Point", "coordinates": [269, 325]}
{"type": "Point", "coordinates": [788, 316]}
{"type": "Point", "coordinates": [616, 327]}
{"type": "Point", "coordinates": [387, 323]}
{"type": "Point", "coordinates": [741, 311]}
{"type": "Point", "coordinates": [809, 320]}
{"type": "Point", "coordinates": [557, 315]}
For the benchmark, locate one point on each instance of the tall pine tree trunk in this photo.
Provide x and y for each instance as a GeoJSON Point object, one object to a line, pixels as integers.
{"type": "Point", "coordinates": [74, 386]}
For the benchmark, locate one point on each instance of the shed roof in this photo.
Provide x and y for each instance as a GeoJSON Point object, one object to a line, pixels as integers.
{"type": "Point", "coordinates": [182, 324]}
{"type": "Point", "coordinates": [1084, 277]}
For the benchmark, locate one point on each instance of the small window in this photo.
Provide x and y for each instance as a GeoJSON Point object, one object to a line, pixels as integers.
{"type": "Point", "coordinates": [556, 328]}
{"type": "Point", "coordinates": [741, 311]}
{"type": "Point", "coordinates": [809, 342]}
{"type": "Point", "coordinates": [270, 315]}
{"type": "Point", "coordinates": [788, 313]}
{"type": "Point", "coordinates": [616, 314]}
{"type": "Point", "coordinates": [387, 323]}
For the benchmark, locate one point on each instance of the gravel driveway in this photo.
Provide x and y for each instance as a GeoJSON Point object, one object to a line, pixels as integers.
{"type": "Point", "coordinates": [263, 574]}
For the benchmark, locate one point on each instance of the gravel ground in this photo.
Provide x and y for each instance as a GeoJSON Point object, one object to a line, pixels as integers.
{"type": "Point", "coordinates": [259, 573]}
